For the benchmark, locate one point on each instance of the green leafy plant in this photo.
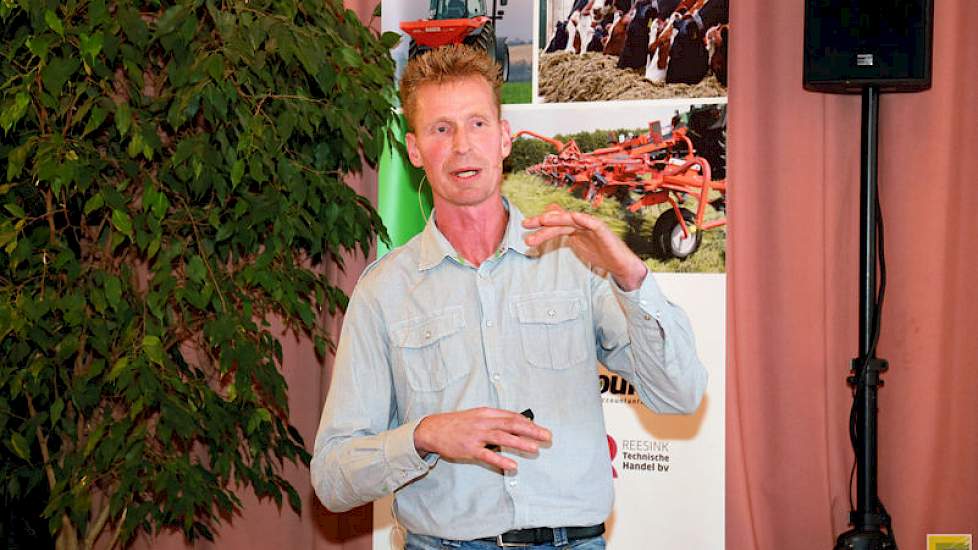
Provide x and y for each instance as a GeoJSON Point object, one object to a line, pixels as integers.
{"type": "Point", "coordinates": [172, 181]}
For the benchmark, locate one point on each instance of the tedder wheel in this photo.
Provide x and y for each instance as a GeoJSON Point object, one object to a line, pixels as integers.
{"type": "Point", "coordinates": [667, 236]}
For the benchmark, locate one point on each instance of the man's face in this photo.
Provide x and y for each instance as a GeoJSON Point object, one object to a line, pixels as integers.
{"type": "Point", "coordinates": [459, 141]}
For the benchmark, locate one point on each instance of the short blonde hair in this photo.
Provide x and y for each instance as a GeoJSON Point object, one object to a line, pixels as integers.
{"type": "Point", "coordinates": [443, 65]}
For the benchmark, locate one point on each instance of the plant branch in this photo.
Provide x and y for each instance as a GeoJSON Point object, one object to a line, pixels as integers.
{"type": "Point", "coordinates": [93, 531]}
{"type": "Point", "coordinates": [43, 443]}
{"type": "Point", "coordinates": [49, 207]}
{"type": "Point", "coordinates": [203, 254]}
{"type": "Point", "coordinates": [118, 530]}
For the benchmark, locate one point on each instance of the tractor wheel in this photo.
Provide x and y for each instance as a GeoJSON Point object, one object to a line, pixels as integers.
{"type": "Point", "coordinates": [667, 236]}
{"type": "Point", "coordinates": [414, 50]}
{"type": "Point", "coordinates": [483, 41]}
{"type": "Point", "coordinates": [502, 58]}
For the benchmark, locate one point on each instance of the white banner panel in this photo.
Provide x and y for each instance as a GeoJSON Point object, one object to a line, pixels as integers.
{"type": "Point", "coordinates": [669, 485]}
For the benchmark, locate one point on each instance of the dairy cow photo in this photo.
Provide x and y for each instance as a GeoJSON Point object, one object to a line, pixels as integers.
{"type": "Point", "coordinates": [596, 50]}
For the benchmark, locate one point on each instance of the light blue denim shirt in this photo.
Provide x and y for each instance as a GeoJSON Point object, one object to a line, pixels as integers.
{"type": "Point", "coordinates": [426, 332]}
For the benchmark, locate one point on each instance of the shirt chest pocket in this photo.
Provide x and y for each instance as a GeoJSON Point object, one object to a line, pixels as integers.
{"type": "Point", "coordinates": [553, 330]}
{"type": "Point", "coordinates": [430, 350]}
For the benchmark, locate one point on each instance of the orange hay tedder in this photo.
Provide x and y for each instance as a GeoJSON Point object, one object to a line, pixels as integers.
{"type": "Point", "coordinates": [460, 22]}
{"type": "Point", "coordinates": [643, 171]}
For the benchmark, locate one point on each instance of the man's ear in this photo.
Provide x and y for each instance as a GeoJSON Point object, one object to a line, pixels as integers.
{"type": "Point", "coordinates": [412, 147]}
{"type": "Point", "coordinates": [507, 137]}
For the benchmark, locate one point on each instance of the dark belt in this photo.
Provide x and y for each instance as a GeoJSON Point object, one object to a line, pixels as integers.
{"type": "Point", "coordinates": [543, 535]}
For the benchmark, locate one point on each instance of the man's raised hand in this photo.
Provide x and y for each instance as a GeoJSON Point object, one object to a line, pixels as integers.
{"type": "Point", "coordinates": [591, 240]}
{"type": "Point", "coordinates": [463, 435]}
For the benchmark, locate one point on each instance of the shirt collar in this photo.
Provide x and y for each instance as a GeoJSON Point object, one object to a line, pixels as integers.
{"type": "Point", "coordinates": [435, 246]}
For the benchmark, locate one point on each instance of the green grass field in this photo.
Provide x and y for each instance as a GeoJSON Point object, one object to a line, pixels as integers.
{"type": "Point", "coordinates": [517, 92]}
{"type": "Point", "coordinates": [532, 194]}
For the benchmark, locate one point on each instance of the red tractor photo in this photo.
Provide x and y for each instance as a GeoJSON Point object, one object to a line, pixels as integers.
{"type": "Point", "coordinates": [460, 22]}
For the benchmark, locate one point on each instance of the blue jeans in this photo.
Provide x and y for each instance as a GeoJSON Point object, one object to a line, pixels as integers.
{"type": "Point", "coordinates": [424, 542]}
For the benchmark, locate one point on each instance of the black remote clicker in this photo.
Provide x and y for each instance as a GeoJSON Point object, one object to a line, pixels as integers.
{"type": "Point", "coordinates": [495, 448]}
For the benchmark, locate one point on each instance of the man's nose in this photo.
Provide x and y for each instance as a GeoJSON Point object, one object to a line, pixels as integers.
{"type": "Point", "coordinates": [460, 143]}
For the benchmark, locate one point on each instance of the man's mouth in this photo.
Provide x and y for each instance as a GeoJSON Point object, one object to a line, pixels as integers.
{"type": "Point", "coordinates": [465, 173]}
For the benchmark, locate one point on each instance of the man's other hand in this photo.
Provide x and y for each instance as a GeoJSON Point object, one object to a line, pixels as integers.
{"type": "Point", "coordinates": [591, 240]}
{"type": "Point", "coordinates": [463, 435]}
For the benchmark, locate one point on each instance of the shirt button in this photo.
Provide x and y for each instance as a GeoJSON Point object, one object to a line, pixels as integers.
{"type": "Point", "coordinates": [489, 323]}
{"type": "Point", "coordinates": [512, 483]}
{"type": "Point", "coordinates": [648, 317]}
{"type": "Point", "coordinates": [496, 377]}
{"type": "Point", "coordinates": [552, 312]}
{"type": "Point", "coordinates": [427, 334]}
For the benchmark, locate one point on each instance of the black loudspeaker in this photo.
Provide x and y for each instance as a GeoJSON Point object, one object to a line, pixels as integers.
{"type": "Point", "coordinates": [854, 44]}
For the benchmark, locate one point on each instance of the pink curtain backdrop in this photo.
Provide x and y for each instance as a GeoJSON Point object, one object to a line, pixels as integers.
{"type": "Point", "coordinates": [793, 280]}
{"type": "Point", "coordinates": [793, 314]}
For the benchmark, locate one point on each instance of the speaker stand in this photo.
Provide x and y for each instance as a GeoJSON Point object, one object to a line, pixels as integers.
{"type": "Point", "coordinates": [869, 518]}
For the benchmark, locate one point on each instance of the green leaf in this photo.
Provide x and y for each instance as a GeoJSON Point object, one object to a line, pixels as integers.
{"type": "Point", "coordinates": [153, 248]}
{"type": "Point", "coordinates": [215, 67]}
{"type": "Point", "coordinates": [117, 368]}
{"type": "Point", "coordinates": [122, 222]}
{"type": "Point", "coordinates": [196, 269]}
{"type": "Point", "coordinates": [91, 45]}
{"type": "Point", "coordinates": [94, 203]}
{"type": "Point", "coordinates": [93, 439]}
{"type": "Point", "coordinates": [135, 145]}
{"type": "Point", "coordinates": [260, 416]}
{"type": "Point", "coordinates": [133, 26]}
{"type": "Point", "coordinates": [168, 22]}
{"type": "Point", "coordinates": [349, 57]}
{"type": "Point", "coordinates": [15, 209]}
{"type": "Point", "coordinates": [17, 158]}
{"type": "Point", "coordinates": [237, 171]}
{"type": "Point", "coordinates": [113, 290]}
{"type": "Point", "coordinates": [294, 500]}
{"type": "Point", "coordinates": [56, 409]}
{"type": "Point", "coordinates": [95, 119]}
{"type": "Point", "coordinates": [57, 72]}
{"type": "Point", "coordinates": [14, 111]}
{"type": "Point", "coordinates": [390, 39]}
{"type": "Point", "coordinates": [123, 118]}
{"type": "Point", "coordinates": [52, 20]}
{"type": "Point", "coordinates": [161, 205]}
{"type": "Point", "coordinates": [7, 236]}
{"type": "Point", "coordinates": [19, 446]}
{"type": "Point", "coordinates": [153, 349]}
{"type": "Point", "coordinates": [39, 45]}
